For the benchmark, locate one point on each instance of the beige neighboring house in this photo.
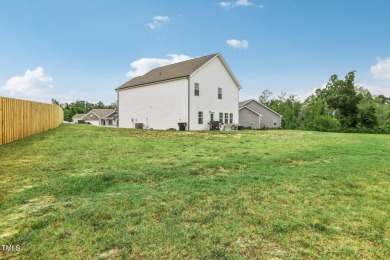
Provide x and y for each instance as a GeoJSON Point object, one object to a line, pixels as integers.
{"type": "Point", "coordinates": [76, 118]}
{"type": "Point", "coordinates": [256, 115]}
{"type": "Point", "coordinates": [100, 117]}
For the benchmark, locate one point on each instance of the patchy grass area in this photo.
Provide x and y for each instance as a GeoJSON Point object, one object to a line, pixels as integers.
{"type": "Point", "coordinates": [81, 191]}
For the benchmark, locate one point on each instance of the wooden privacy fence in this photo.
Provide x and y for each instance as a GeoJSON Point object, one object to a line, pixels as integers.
{"type": "Point", "coordinates": [22, 118]}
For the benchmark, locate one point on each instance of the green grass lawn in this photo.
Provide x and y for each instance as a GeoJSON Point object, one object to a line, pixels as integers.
{"type": "Point", "coordinates": [81, 191]}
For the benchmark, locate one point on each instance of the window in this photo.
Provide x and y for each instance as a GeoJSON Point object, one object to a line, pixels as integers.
{"type": "Point", "coordinates": [221, 118]}
{"type": "Point", "coordinates": [226, 118]}
{"type": "Point", "coordinates": [200, 118]}
{"type": "Point", "coordinates": [231, 118]}
{"type": "Point", "coordinates": [219, 93]}
{"type": "Point", "coordinates": [196, 89]}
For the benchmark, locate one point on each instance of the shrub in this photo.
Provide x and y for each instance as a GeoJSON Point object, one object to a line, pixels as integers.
{"type": "Point", "coordinates": [367, 117]}
{"type": "Point", "coordinates": [385, 129]}
{"type": "Point", "coordinates": [325, 123]}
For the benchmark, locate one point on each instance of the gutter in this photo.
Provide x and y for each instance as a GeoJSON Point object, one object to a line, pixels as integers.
{"type": "Point", "coordinates": [150, 83]}
{"type": "Point", "coordinates": [188, 124]}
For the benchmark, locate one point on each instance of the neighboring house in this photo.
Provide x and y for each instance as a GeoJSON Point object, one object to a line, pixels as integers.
{"type": "Point", "coordinates": [257, 115]}
{"type": "Point", "coordinates": [76, 118]}
{"type": "Point", "coordinates": [193, 92]}
{"type": "Point", "coordinates": [102, 117]}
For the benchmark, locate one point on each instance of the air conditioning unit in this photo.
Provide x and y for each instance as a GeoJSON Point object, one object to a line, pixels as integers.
{"type": "Point", "coordinates": [139, 126]}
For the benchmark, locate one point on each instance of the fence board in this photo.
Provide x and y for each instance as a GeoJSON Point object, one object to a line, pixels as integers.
{"type": "Point", "coordinates": [22, 118]}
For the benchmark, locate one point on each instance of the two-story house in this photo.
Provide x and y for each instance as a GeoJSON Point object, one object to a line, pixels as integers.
{"type": "Point", "coordinates": [193, 92]}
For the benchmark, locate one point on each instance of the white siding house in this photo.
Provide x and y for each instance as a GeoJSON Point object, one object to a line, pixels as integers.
{"type": "Point", "coordinates": [158, 106]}
{"type": "Point", "coordinates": [77, 117]}
{"type": "Point", "coordinates": [194, 92]}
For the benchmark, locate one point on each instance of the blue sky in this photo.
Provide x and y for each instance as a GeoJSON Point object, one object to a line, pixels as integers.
{"type": "Point", "coordinates": [72, 49]}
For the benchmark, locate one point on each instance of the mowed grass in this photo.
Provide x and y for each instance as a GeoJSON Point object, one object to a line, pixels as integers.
{"type": "Point", "coordinates": [81, 191]}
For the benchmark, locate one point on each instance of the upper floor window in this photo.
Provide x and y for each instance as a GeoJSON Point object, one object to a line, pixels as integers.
{"type": "Point", "coordinates": [196, 89]}
{"type": "Point", "coordinates": [219, 93]}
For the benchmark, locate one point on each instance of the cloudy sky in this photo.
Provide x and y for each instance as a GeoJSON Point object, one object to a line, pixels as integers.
{"type": "Point", "coordinates": [72, 49]}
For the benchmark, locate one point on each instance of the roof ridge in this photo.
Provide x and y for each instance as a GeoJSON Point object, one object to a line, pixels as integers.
{"type": "Point", "coordinates": [215, 54]}
{"type": "Point", "coordinates": [250, 100]}
{"type": "Point", "coordinates": [169, 72]}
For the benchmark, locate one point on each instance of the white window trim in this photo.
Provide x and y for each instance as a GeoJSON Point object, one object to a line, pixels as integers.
{"type": "Point", "coordinates": [200, 116]}
{"type": "Point", "coordinates": [196, 87]}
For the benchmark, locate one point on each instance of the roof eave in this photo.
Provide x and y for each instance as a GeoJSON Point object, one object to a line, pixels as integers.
{"type": "Point", "coordinates": [226, 66]}
{"type": "Point", "coordinates": [263, 106]}
{"type": "Point", "coordinates": [250, 110]}
{"type": "Point", "coordinates": [91, 112]}
{"type": "Point", "coordinates": [151, 83]}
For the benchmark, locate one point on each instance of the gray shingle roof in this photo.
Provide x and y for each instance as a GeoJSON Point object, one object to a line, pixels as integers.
{"type": "Point", "coordinates": [243, 103]}
{"type": "Point", "coordinates": [173, 71]}
{"type": "Point", "coordinates": [102, 113]}
{"type": "Point", "coordinates": [78, 115]}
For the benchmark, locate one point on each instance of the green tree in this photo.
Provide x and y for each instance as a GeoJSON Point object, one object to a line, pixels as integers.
{"type": "Point", "coordinates": [325, 123]}
{"type": "Point", "coordinates": [265, 96]}
{"type": "Point", "coordinates": [382, 105]}
{"type": "Point", "coordinates": [342, 96]}
{"type": "Point", "coordinates": [55, 102]}
{"type": "Point", "coordinates": [99, 105]}
{"type": "Point", "coordinates": [313, 110]}
{"type": "Point", "coordinates": [289, 108]}
{"type": "Point", "coordinates": [368, 116]}
{"type": "Point", "coordinates": [81, 107]}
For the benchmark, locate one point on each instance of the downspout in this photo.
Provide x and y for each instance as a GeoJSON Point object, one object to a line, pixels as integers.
{"type": "Point", "coordinates": [117, 108]}
{"type": "Point", "coordinates": [188, 124]}
{"type": "Point", "coordinates": [259, 122]}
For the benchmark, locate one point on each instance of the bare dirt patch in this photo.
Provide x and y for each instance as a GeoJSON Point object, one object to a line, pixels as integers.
{"type": "Point", "coordinates": [8, 227]}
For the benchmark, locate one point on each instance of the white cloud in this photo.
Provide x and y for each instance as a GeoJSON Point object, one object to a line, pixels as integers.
{"type": "Point", "coordinates": [238, 3]}
{"type": "Point", "coordinates": [381, 70]}
{"type": "Point", "coordinates": [244, 44]}
{"type": "Point", "coordinates": [225, 4]}
{"type": "Point", "coordinates": [243, 3]}
{"type": "Point", "coordinates": [144, 65]}
{"type": "Point", "coordinates": [376, 90]}
{"type": "Point", "coordinates": [33, 83]}
{"type": "Point", "coordinates": [157, 21]}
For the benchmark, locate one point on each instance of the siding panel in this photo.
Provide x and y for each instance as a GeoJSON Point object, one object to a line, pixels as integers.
{"type": "Point", "coordinates": [248, 118]}
{"type": "Point", "coordinates": [268, 117]}
{"type": "Point", "coordinates": [158, 106]}
{"type": "Point", "coordinates": [211, 77]}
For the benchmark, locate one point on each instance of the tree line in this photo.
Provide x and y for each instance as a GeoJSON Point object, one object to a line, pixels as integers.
{"type": "Point", "coordinates": [80, 107]}
{"type": "Point", "coordinates": [341, 106]}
